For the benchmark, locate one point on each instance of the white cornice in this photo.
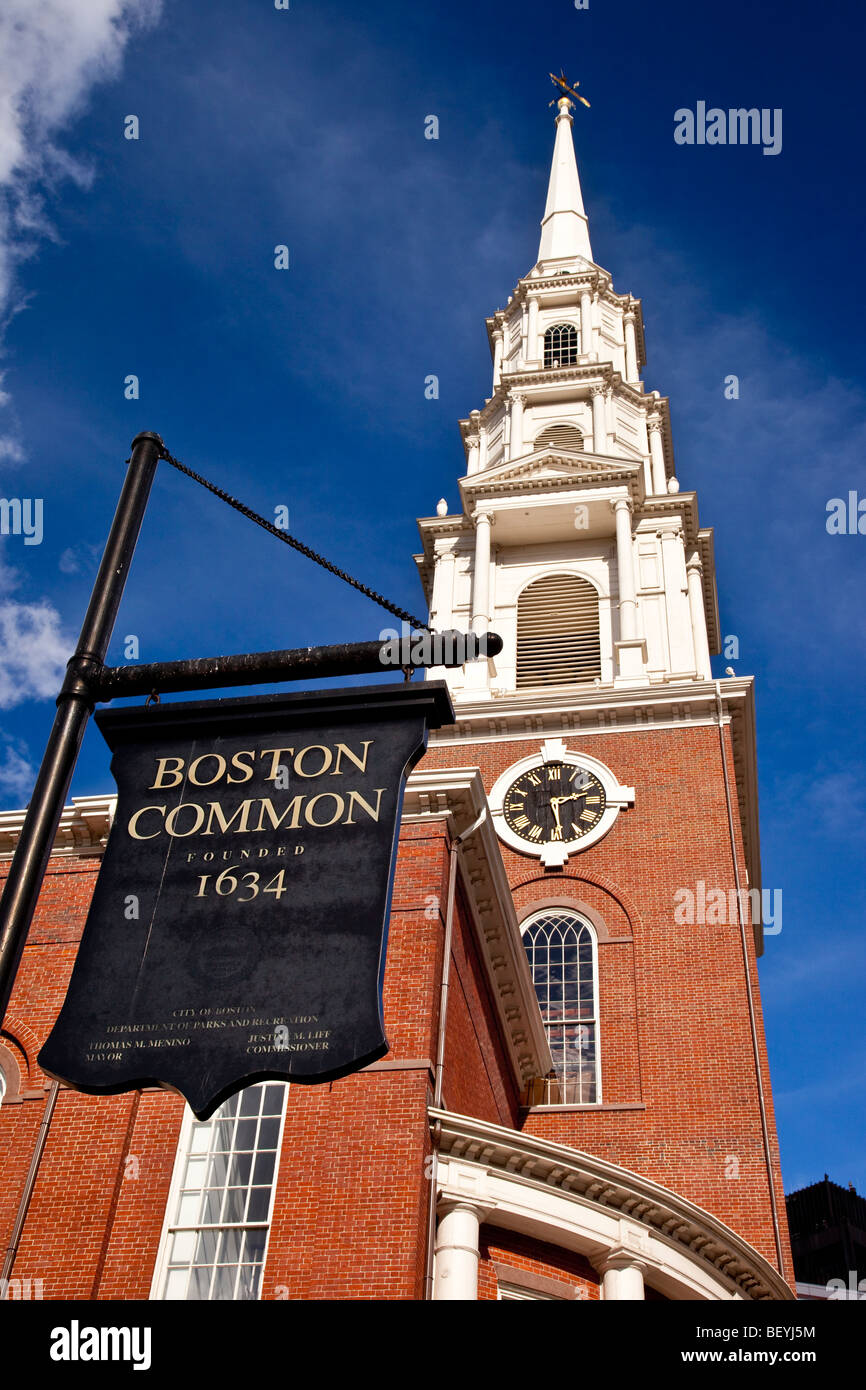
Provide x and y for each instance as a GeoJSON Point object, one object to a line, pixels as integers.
{"type": "Point", "coordinates": [738, 696]}
{"type": "Point", "coordinates": [459, 794]}
{"type": "Point", "coordinates": [705, 542]}
{"type": "Point", "coordinates": [673, 1236]}
{"type": "Point", "coordinates": [591, 276]}
{"type": "Point", "coordinates": [550, 471]}
{"type": "Point", "coordinates": [581, 374]}
{"type": "Point", "coordinates": [82, 832]}
{"type": "Point", "coordinates": [587, 373]}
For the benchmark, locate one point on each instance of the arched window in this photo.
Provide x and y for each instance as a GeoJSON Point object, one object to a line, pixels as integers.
{"type": "Point", "coordinates": [557, 632]}
{"type": "Point", "coordinates": [560, 437]}
{"type": "Point", "coordinates": [561, 949]}
{"type": "Point", "coordinates": [561, 345]}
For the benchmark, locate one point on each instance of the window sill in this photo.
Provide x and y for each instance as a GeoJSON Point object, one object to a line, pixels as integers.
{"type": "Point", "coordinates": [604, 1105]}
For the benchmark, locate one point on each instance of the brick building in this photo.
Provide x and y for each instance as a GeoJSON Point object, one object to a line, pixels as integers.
{"type": "Point", "coordinates": [576, 1103]}
{"type": "Point", "coordinates": [827, 1226]}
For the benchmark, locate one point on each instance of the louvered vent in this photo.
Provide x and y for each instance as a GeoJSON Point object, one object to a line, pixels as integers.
{"type": "Point", "coordinates": [557, 632]}
{"type": "Point", "coordinates": [564, 437]}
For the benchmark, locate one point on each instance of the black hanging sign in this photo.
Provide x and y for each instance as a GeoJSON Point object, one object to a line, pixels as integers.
{"type": "Point", "coordinates": [238, 926]}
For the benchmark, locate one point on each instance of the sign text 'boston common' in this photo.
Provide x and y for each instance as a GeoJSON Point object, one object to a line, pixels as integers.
{"type": "Point", "coordinates": [238, 926]}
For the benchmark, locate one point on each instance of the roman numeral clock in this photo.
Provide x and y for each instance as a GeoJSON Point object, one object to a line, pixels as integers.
{"type": "Point", "coordinates": [556, 803]}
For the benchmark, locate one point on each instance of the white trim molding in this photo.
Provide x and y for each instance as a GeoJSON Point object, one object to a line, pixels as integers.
{"type": "Point", "coordinates": [624, 1224]}
{"type": "Point", "coordinates": [83, 828]}
{"type": "Point", "coordinates": [458, 794]}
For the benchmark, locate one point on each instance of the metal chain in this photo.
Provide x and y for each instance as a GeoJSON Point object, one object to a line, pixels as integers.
{"type": "Point", "coordinates": [294, 543]}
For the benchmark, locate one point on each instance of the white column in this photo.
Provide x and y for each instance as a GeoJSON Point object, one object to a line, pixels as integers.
{"type": "Point", "coordinates": [532, 353]}
{"type": "Point", "coordinates": [457, 1252]}
{"type": "Point", "coordinates": [623, 1278]}
{"type": "Point", "coordinates": [442, 613]}
{"type": "Point", "coordinates": [681, 647]}
{"type": "Point", "coordinates": [472, 458]}
{"type": "Point", "coordinates": [599, 420]}
{"type": "Point", "coordinates": [497, 356]}
{"type": "Point", "coordinates": [481, 574]}
{"type": "Point", "coordinates": [625, 569]}
{"type": "Point", "coordinates": [657, 453]}
{"type": "Point", "coordinates": [473, 440]}
{"type": "Point", "coordinates": [516, 446]}
{"type": "Point", "coordinates": [586, 344]}
{"type": "Point", "coordinates": [630, 347]}
{"type": "Point", "coordinates": [482, 448]}
{"type": "Point", "coordinates": [694, 572]}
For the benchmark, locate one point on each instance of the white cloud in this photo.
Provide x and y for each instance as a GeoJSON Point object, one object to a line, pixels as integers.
{"type": "Point", "coordinates": [52, 53]}
{"type": "Point", "coordinates": [33, 652]}
{"type": "Point", "coordinates": [17, 773]}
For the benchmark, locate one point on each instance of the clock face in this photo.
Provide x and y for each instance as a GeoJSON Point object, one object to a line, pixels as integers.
{"type": "Point", "coordinates": [554, 802]}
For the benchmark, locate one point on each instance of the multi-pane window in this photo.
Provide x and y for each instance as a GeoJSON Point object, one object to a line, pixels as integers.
{"type": "Point", "coordinates": [561, 345]}
{"type": "Point", "coordinates": [561, 950]}
{"type": "Point", "coordinates": [219, 1208]}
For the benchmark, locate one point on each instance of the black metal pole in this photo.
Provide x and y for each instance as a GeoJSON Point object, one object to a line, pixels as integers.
{"type": "Point", "coordinates": [300, 663]}
{"type": "Point", "coordinates": [74, 706]}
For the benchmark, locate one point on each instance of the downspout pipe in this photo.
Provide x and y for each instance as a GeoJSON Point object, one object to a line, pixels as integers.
{"type": "Point", "coordinates": [29, 1183]}
{"type": "Point", "coordinates": [762, 1101]}
{"type": "Point", "coordinates": [455, 843]}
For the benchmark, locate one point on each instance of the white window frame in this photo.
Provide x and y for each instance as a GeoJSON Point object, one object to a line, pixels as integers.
{"type": "Point", "coordinates": [584, 921]}
{"type": "Point", "coordinates": [577, 348]}
{"type": "Point", "coordinates": [518, 1293]}
{"type": "Point", "coordinates": [169, 1228]}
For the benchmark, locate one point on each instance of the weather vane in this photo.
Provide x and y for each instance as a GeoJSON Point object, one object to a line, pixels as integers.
{"type": "Point", "coordinates": [561, 82]}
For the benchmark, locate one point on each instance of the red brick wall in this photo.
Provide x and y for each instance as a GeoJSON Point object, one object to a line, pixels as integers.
{"type": "Point", "coordinates": [351, 1203]}
{"type": "Point", "coordinates": [350, 1218]}
{"type": "Point", "coordinates": [477, 1072]}
{"type": "Point", "coordinates": [524, 1255]}
{"type": "Point", "coordinates": [674, 1028]}
{"type": "Point", "coordinates": [131, 1243]}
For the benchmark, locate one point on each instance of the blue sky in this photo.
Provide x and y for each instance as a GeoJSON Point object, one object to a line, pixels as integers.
{"type": "Point", "coordinates": [306, 387]}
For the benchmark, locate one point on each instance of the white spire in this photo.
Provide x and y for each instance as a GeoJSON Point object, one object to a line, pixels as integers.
{"type": "Point", "coordinates": [564, 228]}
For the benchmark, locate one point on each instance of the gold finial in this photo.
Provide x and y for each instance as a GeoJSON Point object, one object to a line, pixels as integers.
{"type": "Point", "coordinates": [563, 85]}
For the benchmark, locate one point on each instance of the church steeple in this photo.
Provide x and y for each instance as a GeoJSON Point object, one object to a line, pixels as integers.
{"type": "Point", "coordinates": [564, 228]}
{"type": "Point", "coordinates": [570, 511]}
